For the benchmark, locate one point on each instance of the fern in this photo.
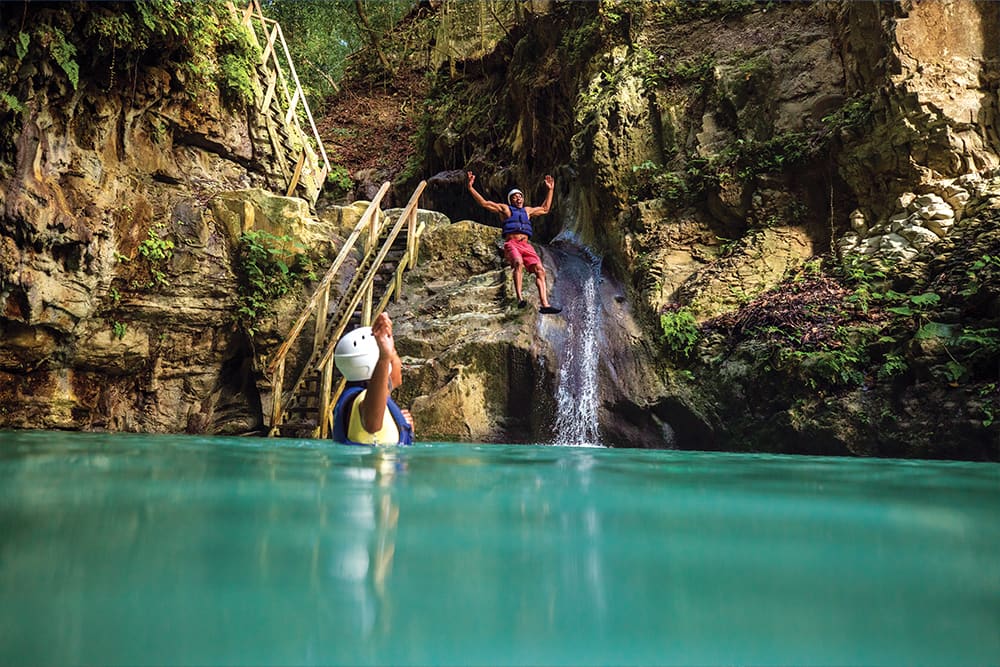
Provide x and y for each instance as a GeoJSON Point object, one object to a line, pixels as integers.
{"type": "Point", "coordinates": [64, 54]}
{"type": "Point", "coordinates": [680, 331]}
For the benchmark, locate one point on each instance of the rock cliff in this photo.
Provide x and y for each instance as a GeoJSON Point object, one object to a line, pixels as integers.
{"type": "Point", "coordinates": [118, 288]}
{"type": "Point", "coordinates": [714, 153]}
{"type": "Point", "coordinates": [709, 154]}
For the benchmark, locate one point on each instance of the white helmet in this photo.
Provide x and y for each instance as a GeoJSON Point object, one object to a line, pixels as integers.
{"type": "Point", "coordinates": [513, 192]}
{"type": "Point", "coordinates": [356, 354]}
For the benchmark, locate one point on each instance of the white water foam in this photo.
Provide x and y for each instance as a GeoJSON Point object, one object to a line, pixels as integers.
{"type": "Point", "coordinates": [577, 394]}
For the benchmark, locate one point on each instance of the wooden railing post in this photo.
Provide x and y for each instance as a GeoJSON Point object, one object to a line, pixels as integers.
{"type": "Point", "coordinates": [276, 381]}
{"type": "Point", "coordinates": [319, 336]}
{"type": "Point", "coordinates": [397, 283]}
{"type": "Point", "coordinates": [366, 306]}
{"type": "Point", "coordinates": [411, 239]}
{"type": "Point", "coordinates": [324, 399]}
{"type": "Point", "coordinates": [373, 229]}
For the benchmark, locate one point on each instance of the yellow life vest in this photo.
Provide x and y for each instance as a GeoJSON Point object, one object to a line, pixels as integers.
{"type": "Point", "coordinates": [387, 435]}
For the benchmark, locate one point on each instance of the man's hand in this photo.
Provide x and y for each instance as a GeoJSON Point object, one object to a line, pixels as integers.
{"type": "Point", "coordinates": [472, 178]}
{"type": "Point", "coordinates": [550, 182]}
{"type": "Point", "coordinates": [382, 330]}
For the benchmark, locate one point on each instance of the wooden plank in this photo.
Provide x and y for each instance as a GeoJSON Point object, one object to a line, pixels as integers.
{"type": "Point", "coordinates": [269, 95]}
{"type": "Point", "coordinates": [366, 307]}
{"type": "Point", "coordinates": [298, 172]}
{"type": "Point", "coordinates": [279, 150]}
{"type": "Point", "coordinates": [292, 106]}
{"type": "Point", "coordinates": [269, 49]}
{"type": "Point", "coordinates": [324, 399]}
{"type": "Point", "coordinates": [319, 331]}
{"type": "Point", "coordinates": [411, 237]}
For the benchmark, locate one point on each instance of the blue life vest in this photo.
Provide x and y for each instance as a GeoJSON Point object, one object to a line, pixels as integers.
{"type": "Point", "coordinates": [517, 223]}
{"type": "Point", "coordinates": [342, 412]}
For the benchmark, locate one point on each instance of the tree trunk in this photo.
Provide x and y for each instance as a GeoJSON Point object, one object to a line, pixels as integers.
{"type": "Point", "coordinates": [372, 37]}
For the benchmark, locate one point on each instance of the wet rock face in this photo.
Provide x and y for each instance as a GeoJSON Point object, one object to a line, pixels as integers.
{"type": "Point", "coordinates": [479, 369]}
{"type": "Point", "coordinates": [472, 368]}
{"type": "Point", "coordinates": [117, 286]}
{"type": "Point", "coordinates": [707, 105]}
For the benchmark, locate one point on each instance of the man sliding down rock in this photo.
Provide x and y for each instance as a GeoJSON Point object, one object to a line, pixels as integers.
{"type": "Point", "coordinates": [517, 248]}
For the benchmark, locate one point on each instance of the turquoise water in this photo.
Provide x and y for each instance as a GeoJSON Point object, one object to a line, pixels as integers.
{"type": "Point", "coordinates": [135, 550]}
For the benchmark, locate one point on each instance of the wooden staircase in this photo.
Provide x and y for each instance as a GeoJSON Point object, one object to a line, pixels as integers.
{"type": "Point", "coordinates": [304, 406]}
{"type": "Point", "coordinates": [302, 163]}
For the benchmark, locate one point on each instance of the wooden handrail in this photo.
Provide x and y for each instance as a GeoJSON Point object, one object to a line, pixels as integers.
{"type": "Point", "coordinates": [253, 12]}
{"type": "Point", "coordinates": [325, 364]}
{"type": "Point", "coordinates": [370, 277]}
{"type": "Point", "coordinates": [327, 279]}
{"type": "Point", "coordinates": [326, 414]}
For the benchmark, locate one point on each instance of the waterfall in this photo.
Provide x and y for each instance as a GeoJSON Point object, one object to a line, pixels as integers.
{"type": "Point", "coordinates": [577, 393]}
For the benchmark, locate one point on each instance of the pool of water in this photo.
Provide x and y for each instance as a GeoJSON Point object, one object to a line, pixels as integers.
{"type": "Point", "coordinates": [135, 550]}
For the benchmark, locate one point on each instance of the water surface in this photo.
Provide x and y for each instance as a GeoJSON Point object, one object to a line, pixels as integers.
{"type": "Point", "coordinates": [135, 550]}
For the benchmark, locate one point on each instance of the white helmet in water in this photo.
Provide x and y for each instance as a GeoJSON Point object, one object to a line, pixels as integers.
{"type": "Point", "coordinates": [513, 192]}
{"type": "Point", "coordinates": [356, 354]}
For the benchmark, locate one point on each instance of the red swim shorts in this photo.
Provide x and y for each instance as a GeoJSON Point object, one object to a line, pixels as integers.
{"type": "Point", "coordinates": [519, 247]}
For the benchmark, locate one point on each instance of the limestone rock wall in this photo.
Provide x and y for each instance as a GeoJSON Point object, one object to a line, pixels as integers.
{"type": "Point", "coordinates": [934, 77]}
{"type": "Point", "coordinates": [708, 159]}
{"type": "Point", "coordinates": [117, 285]}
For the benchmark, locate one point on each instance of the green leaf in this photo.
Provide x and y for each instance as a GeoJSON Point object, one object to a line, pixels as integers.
{"type": "Point", "coordinates": [925, 299]}
{"type": "Point", "coordinates": [933, 330]}
{"type": "Point", "coordinates": [954, 370]}
{"type": "Point", "coordinates": [22, 45]}
{"type": "Point", "coordinates": [901, 310]}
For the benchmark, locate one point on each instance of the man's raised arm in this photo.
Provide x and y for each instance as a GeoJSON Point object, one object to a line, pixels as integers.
{"type": "Point", "coordinates": [488, 205]}
{"type": "Point", "coordinates": [550, 183]}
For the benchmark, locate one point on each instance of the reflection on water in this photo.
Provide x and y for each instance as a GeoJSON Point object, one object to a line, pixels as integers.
{"type": "Point", "coordinates": [182, 550]}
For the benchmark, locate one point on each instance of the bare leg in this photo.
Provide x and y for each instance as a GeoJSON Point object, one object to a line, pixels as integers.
{"type": "Point", "coordinates": [518, 271]}
{"type": "Point", "coordinates": [539, 272]}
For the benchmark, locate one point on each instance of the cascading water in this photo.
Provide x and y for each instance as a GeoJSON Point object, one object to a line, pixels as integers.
{"type": "Point", "coordinates": [577, 393]}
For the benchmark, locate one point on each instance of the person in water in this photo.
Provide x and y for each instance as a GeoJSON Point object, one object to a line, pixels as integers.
{"type": "Point", "coordinates": [517, 248]}
{"type": "Point", "coordinates": [365, 413]}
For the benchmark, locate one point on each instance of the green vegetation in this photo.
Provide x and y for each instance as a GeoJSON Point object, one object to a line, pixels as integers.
{"type": "Point", "coordinates": [63, 53]}
{"type": "Point", "coordinates": [743, 161]}
{"type": "Point", "coordinates": [855, 113]}
{"type": "Point", "coordinates": [846, 327]}
{"type": "Point", "coordinates": [118, 329]}
{"type": "Point", "coordinates": [663, 69]}
{"type": "Point", "coordinates": [650, 180]}
{"type": "Point", "coordinates": [340, 180]}
{"type": "Point", "coordinates": [985, 270]}
{"type": "Point", "coordinates": [11, 102]}
{"type": "Point", "coordinates": [238, 56]}
{"type": "Point", "coordinates": [157, 251]}
{"type": "Point", "coordinates": [680, 331]}
{"type": "Point", "coordinates": [462, 116]}
{"type": "Point", "coordinates": [269, 267]}
{"type": "Point", "coordinates": [155, 248]}
{"type": "Point", "coordinates": [201, 40]}
{"type": "Point", "coordinates": [321, 34]}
